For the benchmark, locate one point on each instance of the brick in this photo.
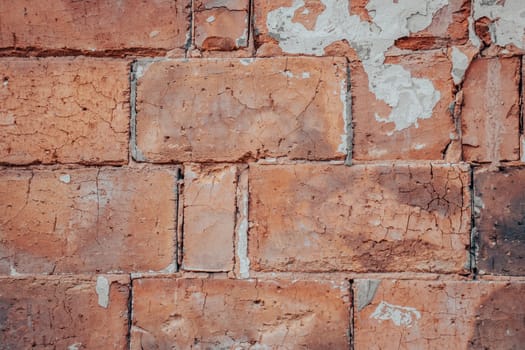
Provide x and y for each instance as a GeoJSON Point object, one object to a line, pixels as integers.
{"type": "Point", "coordinates": [87, 220]}
{"type": "Point", "coordinates": [364, 218]}
{"type": "Point", "coordinates": [221, 25]}
{"type": "Point", "coordinates": [64, 110]}
{"type": "Point", "coordinates": [413, 314]}
{"type": "Point", "coordinates": [422, 138]}
{"type": "Point", "coordinates": [66, 312]}
{"type": "Point", "coordinates": [490, 116]}
{"type": "Point", "coordinates": [500, 220]}
{"type": "Point", "coordinates": [209, 217]}
{"type": "Point", "coordinates": [94, 25]}
{"type": "Point", "coordinates": [230, 109]}
{"type": "Point", "coordinates": [198, 313]}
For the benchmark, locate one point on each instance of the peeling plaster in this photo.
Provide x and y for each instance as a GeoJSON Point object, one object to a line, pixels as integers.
{"type": "Point", "coordinates": [366, 290]}
{"type": "Point", "coordinates": [102, 289]}
{"type": "Point", "coordinates": [410, 98]}
{"type": "Point", "coordinates": [460, 63]}
{"type": "Point", "coordinates": [399, 315]}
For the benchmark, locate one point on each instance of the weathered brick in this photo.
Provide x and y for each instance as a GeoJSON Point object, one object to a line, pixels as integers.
{"type": "Point", "coordinates": [224, 314]}
{"type": "Point", "coordinates": [94, 25]}
{"type": "Point", "coordinates": [413, 314]}
{"type": "Point", "coordinates": [422, 137]}
{"type": "Point", "coordinates": [231, 109]}
{"type": "Point", "coordinates": [221, 24]}
{"type": "Point", "coordinates": [64, 110]}
{"type": "Point", "coordinates": [86, 220]}
{"type": "Point", "coordinates": [490, 115]}
{"type": "Point", "coordinates": [500, 220]}
{"type": "Point", "coordinates": [365, 218]}
{"type": "Point", "coordinates": [66, 312]}
{"type": "Point", "coordinates": [209, 217]}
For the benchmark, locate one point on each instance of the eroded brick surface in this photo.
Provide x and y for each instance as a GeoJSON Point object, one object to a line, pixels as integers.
{"type": "Point", "coordinates": [209, 217]}
{"type": "Point", "coordinates": [64, 110]}
{"type": "Point", "coordinates": [202, 314]}
{"type": "Point", "coordinates": [231, 109]}
{"type": "Point", "coordinates": [436, 314]}
{"type": "Point", "coordinates": [309, 217]}
{"type": "Point", "coordinates": [500, 220]}
{"type": "Point", "coordinates": [86, 220]}
{"type": "Point", "coordinates": [490, 115]}
{"type": "Point", "coordinates": [94, 25]}
{"type": "Point", "coordinates": [66, 312]}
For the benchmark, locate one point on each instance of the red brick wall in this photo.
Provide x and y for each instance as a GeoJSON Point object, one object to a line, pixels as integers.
{"type": "Point", "coordinates": [216, 174]}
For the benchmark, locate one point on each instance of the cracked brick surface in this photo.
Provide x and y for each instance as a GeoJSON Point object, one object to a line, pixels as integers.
{"type": "Point", "coordinates": [212, 313]}
{"type": "Point", "coordinates": [398, 217]}
{"type": "Point", "coordinates": [234, 109]}
{"type": "Point", "coordinates": [64, 110]}
{"type": "Point", "coordinates": [62, 313]}
{"type": "Point", "coordinates": [86, 220]}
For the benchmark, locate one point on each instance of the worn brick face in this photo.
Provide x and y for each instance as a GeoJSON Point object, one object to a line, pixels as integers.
{"type": "Point", "coordinates": [411, 314]}
{"type": "Point", "coordinates": [63, 312]}
{"type": "Point", "coordinates": [490, 115]}
{"type": "Point", "coordinates": [500, 220]}
{"type": "Point", "coordinates": [86, 220]}
{"type": "Point", "coordinates": [198, 313]}
{"type": "Point", "coordinates": [231, 109]}
{"type": "Point", "coordinates": [94, 25]}
{"type": "Point", "coordinates": [396, 217]}
{"type": "Point", "coordinates": [209, 217]}
{"type": "Point", "coordinates": [64, 110]}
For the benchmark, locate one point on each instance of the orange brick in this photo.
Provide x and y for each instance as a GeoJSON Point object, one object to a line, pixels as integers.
{"type": "Point", "coordinates": [224, 314]}
{"type": "Point", "coordinates": [500, 214]}
{"type": "Point", "coordinates": [427, 138]}
{"type": "Point", "coordinates": [66, 312]}
{"type": "Point", "coordinates": [209, 218]}
{"type": "Point", "coordinates": [92, 26]}
{"type": "Point", "coordinates": [438, 314]}
{"type": "Point", "coordinates": [230, 109]}
{"type": "Point", "coordinates": [64, 110]}
{"type": "Point", "coordinates": [364, 218]}
{"type": "Point", "coordinates": [87, 220]}
{"type": "Point", "coordinates": [490, 116]}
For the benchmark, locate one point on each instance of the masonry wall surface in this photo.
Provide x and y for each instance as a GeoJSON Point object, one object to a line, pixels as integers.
{"type": "Point", "coordinates": [256, 174]}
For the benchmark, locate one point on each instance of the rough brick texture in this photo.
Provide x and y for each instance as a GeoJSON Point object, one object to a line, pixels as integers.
{"type": "Point", "coordinates": [262, 174]}
{"type": "Point", "coordinates": [187, 313]}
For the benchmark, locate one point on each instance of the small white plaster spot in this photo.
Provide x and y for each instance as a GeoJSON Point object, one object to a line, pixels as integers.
{"type": "Point", "coordinates": [305, 75]}
{"type": "Point", "coordinates": [246, 61]}
{"type": "Point", "coordinates": [74, 346]}
{"type": "Point", "coordinates": [65, 178]}
{"type": "Point", "coordinates": [210, 19]}
{"type": "Point", "coordinates": [399, 315]}
{"type": "Point", "coordinates": [460, 63]}
{"type": "Point", "coordinates": [305, 11]}
{"type": "Point", "coordinates": [154, 33]}
{"type": "Point", "coordinates": [287, 73]}
{"type": "Point", "coordinates": [5, 83]}
{"type": "Point", "coordinates": [343, 146]}
{"type": "Point", "coordinates": [102, 289]}
{"type": "Point", "coordinates": [419, 146]}
{"type": "Point", "coordinates": [12, 271]}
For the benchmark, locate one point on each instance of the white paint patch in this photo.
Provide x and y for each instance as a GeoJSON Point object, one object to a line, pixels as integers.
{"type": "Point", "coordinates": [410, 98]}
{"type": "Point", "coordinates": [65, 178]}
{"type": "Point", "coordinates": [74, 346]}
{"type": "Point", "coordinates": [210, 19]}
{"type": "Point", "coordinates": [102, 289]}
{"type": "Point", "coordinates": [154, 33]}
{"type": "Point", "coordinates": [508, 18]}
{"type": "Point", "coordinates": [460, 63]}
{"type": "Point", "coordinates": [400, 315]}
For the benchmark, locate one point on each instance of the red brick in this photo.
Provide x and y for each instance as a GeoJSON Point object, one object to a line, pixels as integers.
{"type": "Point", "coordinates": [87, 220]}
{"type": "Point", "coordinates": [364, 218]}
{"type": "Point", "coordinates": [231, 109]}
{"type": "Point", "coordinates": [197, 313]}
{"type": "Point", "coordinates": [64, 110]}
{"type": "Point", "coordinates": [66, 312]}
{"type": "Point", "coordinates": [426, 139]}
{"type": "Point", "coordinates": [500, 220]}
{"type": "Point", "coordinates": [490, 115]}
{"type": "Point", "coordinates": [209, 217]}
{"type": "Point", "coordinates": [94, 25]}
{"type": "Point", "coordinates": [221, 25]}
{"type": "Point", "coordinates": [438, 315]}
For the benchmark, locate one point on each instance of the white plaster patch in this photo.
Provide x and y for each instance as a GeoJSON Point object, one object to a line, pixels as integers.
{"type": "Point", "coordinates": [305, 75]}
{"type": "Point", "coordinates": [65, 178]}
{"type": "Point", "coordinates": [419, 146]}
{"type": "Point", "coordinates": [75, 346]}
{"type": "Point", "coordinates": [102, 289]}
{"type": "Point", "coordinates": [210, 19]}
{"type": "Point", "coordinates": [246, 61]}
{"type": "Point", "coordinates": [343, 95]}
{"type": "Point", "coordinates": [508, 18]}
{"type": "Point", "coordinates": [154, 33]}
{"type": "Point", "coordinates": [460, 63]}
{"type": "Point", "coordinates": [288, 74]}
{"type": "Point", "coordinates": [7, 119]}
{"type": "Point", "coordinates": [410, 98]}
{"type": "Point", "coordinates": [242, 226]}
{"type": "Point", "coordinates": [399, 315]}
